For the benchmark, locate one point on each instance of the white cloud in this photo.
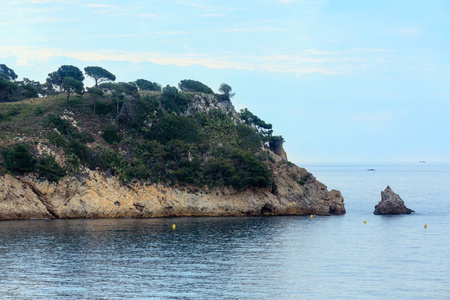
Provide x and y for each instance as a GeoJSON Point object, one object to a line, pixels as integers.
{"type": "Point", "coordinates": [410, 32]}
{"type": "Point", "coordinates": [280, 60]}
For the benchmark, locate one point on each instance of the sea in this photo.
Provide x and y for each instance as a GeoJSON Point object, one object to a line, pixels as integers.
{"type": "Point", "coordinates": [354, 256]}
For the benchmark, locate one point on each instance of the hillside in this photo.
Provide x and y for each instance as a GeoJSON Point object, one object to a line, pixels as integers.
{"type": "Point", "coordinates": [147, 154]}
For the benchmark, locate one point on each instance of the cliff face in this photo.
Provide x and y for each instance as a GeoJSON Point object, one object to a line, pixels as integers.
{"type": "Point", "coordinates": [296, 192]}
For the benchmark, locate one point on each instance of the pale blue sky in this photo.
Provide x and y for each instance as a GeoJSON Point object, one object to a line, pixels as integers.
{"type": "Point", "coordinates": [341, 80]}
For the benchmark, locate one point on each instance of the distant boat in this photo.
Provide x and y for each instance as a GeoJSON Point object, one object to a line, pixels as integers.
{"type": "Point", "coordinates": [370, 169]}
{"type": "Point", "coordinates": [422, 161]}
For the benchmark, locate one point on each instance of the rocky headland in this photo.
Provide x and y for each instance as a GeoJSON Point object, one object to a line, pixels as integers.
{"type": "Point", "coordinates": [95, 195]}
{"type": "Point", "coordinates": [222, 163]}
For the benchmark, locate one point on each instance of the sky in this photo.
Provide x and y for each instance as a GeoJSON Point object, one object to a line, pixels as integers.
{"type": "Point", "coordinates": [364, 81]}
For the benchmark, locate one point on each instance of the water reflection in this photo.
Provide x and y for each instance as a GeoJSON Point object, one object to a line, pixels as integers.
{"type": "Point", "coordinates": [232, 258]}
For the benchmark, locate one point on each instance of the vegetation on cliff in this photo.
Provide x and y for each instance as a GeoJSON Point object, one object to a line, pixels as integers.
{"type": "Point", "coordinates": [135, 130]}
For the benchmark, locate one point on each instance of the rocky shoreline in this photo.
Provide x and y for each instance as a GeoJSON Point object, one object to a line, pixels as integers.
{"type": "Point", "coordinates": [95, 195]}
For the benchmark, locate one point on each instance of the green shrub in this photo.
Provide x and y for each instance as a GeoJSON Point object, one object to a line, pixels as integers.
{"type": "Point", "coordinates": [48, 168]}
{"type": "Point", "coordinates": [176, 127]}
{"type": "Point", "coordinates": [113, 161]}
{"type": "Point", "coordinates": [73, 163]}
{"type": "Point", "coordinates": [39, 111]}
{"type": "Point", "coordinates": [248, 138]}
{"type": "Point", "coordinates": [188, 172]}
{"type": "Point", "coordinates": [80, 150]}
{"type": "Point", "coordinates": [111, 137]}
{"type": "Point", "coordinates": [18, 159]}
{"type": "Point", "coordinates": [103, 108]}
{"type": "Point", "coordinates": [13, 110]}
{"type": "Point", "coordinates": [172, 101]}
{"type": "Point", "coordinates": [56, 139]}
{"type": "Point", "coordinates": [86, 137]}
{"type": "Point", "coordinates": [64, 127]}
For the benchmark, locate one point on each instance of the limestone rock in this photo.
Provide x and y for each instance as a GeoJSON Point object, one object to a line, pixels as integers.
{"type": "Point", "coordinates": [294, 192]}
{"type": "Point", "coordinates": [391, 204]}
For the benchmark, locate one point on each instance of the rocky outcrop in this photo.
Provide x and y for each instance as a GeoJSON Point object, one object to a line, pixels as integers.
{"type": "Point", "coordinates": [391, 204]}
{"type": "Point", "coordinates": [294, 192]}
{"type": "Point", "coordinates": [206, 103]}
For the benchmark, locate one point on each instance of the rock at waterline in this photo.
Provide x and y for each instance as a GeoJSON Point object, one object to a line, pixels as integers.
{"type": "Point", "coordinates": [391, 204]}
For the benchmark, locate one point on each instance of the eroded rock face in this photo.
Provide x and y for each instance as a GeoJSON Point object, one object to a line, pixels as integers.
{"type": "Point", "coordinates": [391, 204]}
{"type": "Point", "coordinates": [206, 103]}
{"type": "Point", "coordinates": [295, 192]}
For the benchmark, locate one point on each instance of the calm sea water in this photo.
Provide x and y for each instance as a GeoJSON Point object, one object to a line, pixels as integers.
{"type": "Point", "coordinates": [335, 257]}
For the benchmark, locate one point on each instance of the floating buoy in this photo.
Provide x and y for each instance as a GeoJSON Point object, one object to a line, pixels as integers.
{"type": "Point", "coordinates": [311, 216]}
{"type": "Point", "coordinates": [365, 221]}
{"type": "Point", "coordinates": [425, 226]}
{"type": "Point", "coordinates": [173, 226]}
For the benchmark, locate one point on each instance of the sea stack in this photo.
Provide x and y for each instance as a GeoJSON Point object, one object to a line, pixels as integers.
{"type": "Point", "coordinates": [391, 204]}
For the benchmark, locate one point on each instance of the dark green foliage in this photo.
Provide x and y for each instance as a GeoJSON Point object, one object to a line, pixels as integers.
{"type": "Point", "coordinates": [114, 162]}
{"type": "Point", "coordinates": [71, 85]}
{"type": "Point", "coordinates": [145, 85]}
{"type": "Point", "coordinates": [249, 171]}
{"type": "Point", "coordinates": [29, 91]}
{"type": "Point", "coordinates": [218, 126]}
{"type": "Point", "coordinates": [239, 169]}
{"type": "Point", "coordinates": [7, 73]}
{"type": "Point", "coordinates": [110, 136]}
{"type": "Point", "coordinates": [13, 110]}
{"type": "Point", "coordinates": [189, 85]}
{"type": "Point", "coordinates": [47, 167]}
{"type": "Point", "coordinates": [188, 172]}
{"type": "Point", "coordinates": [55, 80]}
{"type": "Point", "coordinates": [219, 171]}
{"type": "Point", "coordinates": [103, 108]}
{"type": "Point", "coordinates": [80, 150]}
{"type": "Point", "coordinates": [18, 159]}
{"type": "Point", "coordinates": [226, 91]}
{"type": "Point", "coordinates": [176, 127]}
{"type": "Point", "coordinates": [64, 127]}
{"type": "Point", "coordinates": [39, 111]}
{"type": "Point", "coordinates": [275, 142]}
{"type": "Point", "coordinates": [7, 89]}
{"type": "Point", "coordinates": [56, 139]}
{"type": "Point", "coordinates": [155, 157]}
{"type": "Point", "coordinates": [248, 138]}
{"type": "Point", "coordinates": [252, 120]}
{"type": "Point", "coordinates": [172, 101]}
{"type": "Point", "coordinates": [86, 137]}
{"type": "Point", "coordinates": [99, 74]}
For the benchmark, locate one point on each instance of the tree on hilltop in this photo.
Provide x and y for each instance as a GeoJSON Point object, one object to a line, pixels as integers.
{"type": "Point", "coordinates": [189, 85]}
{"type": "Point", "coordinates": [145, 85]}
{"type": "Point", "coordinates": [7, 73]}
{"type": "Point", "coordinates": [55, 79]}
{"type": "Point", "coordinates": [99, 74]}
{"type": "Point", "coordinates": [67, 79]}
{"type": "Point", "coordinates": [71, 85]}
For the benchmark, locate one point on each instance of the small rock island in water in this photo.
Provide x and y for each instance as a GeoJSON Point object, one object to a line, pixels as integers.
{"type": "Point", "coordinates": [139, 150]}
{"type": "Point", "coordinates": [391, 204]}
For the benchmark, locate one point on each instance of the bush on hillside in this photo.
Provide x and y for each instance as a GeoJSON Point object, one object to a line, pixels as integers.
{"type": "Point", "coordinates": [18, 159]}
{"type": "Point", "coordinates": [111, 137]}
{"type": "Point", "coordinates": [48, 168]}
{"type": "Point", "coordinates": [176, 127]}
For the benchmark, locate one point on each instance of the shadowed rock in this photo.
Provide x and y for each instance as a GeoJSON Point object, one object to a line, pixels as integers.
{"type": "Point", "coordinates": [391, 204]}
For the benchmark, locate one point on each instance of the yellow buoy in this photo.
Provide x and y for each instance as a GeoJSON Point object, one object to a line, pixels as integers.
{"type": "Point", "coordinates": [425, 226]}
{"type": "Point", "coordinates": [365, 221]}
{"type": "Point", "coordinates": [311, 216]}
{"type": "Point", "coordinates": [173, 226]}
